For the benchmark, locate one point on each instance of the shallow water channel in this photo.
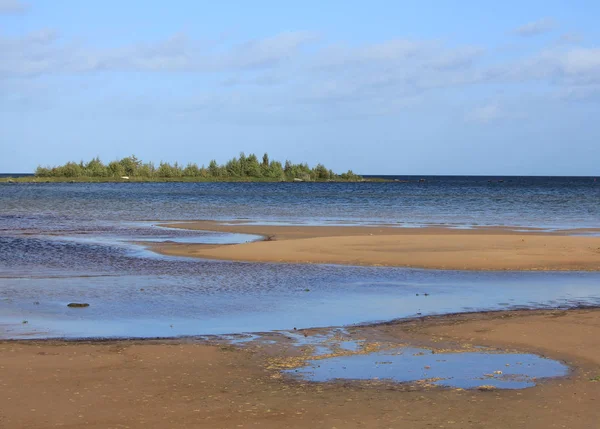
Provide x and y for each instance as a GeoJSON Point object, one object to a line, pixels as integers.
{"type": "Point", "coordinates": [135, 293]}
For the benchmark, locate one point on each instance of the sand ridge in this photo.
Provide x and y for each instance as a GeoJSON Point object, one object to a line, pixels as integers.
{"type": "Point", "coordinates": [431, 247]}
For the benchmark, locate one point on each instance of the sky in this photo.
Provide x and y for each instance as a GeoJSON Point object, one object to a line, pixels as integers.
{"type": "Point", "coordinates": [379, 87]}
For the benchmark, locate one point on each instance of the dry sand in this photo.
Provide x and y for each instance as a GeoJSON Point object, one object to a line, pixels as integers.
{"type": "Point", "coordinates": [178, 384]}
{"type": "Point", "coordinates": [438, 248]}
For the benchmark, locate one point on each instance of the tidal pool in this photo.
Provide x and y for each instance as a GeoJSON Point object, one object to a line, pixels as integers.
{"type": "Point", "coordinates": [464, 370]}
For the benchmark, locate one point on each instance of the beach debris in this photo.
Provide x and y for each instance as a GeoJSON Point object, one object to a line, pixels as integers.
{"type": "Point", "coordinates": [78, 304]}
{"type": "Point", "coordinates": [486, 388]}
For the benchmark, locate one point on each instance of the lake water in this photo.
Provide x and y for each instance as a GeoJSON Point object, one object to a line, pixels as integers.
{"type": "Point", "coordinates": [62, 243]}
{"type": "Point", "coordinates": [553, 202]}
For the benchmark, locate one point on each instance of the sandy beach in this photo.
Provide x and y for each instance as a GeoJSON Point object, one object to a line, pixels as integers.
{"type": "Point", "coordinates": [182, 383]}
{"type": "Point", "coordinates": [433, 247]}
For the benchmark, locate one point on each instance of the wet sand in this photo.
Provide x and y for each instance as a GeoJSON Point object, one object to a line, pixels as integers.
{"type": "Point", "coordinates": [180, 383]}
{"type": "Point", "coordinates": [432, 247]}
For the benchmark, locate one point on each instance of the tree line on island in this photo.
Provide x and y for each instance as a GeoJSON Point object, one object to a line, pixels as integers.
{"type": "Point", "coordinates": [244, 167]}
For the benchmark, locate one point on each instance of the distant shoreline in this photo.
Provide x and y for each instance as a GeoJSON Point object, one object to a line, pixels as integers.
{"type": "Point", "coordinates": [36, 179]}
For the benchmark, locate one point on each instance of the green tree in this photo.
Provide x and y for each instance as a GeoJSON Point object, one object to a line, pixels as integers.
{"type": "Point", "coordinates": [116, 169]}
{"type": "Point", "coordinates": [287, 169]}
{"type": "Point", "coordinates": [146, 170]}
{"type": "Point", "coordinates": [213, 168]}
{"type": "Point", "coordinates": [95, 168]}
{"type": "Point", "coordinates": [244, 166]}
{"type": "Point", "coordinates": [243, 161]}
{"type": "Point", "coordinates": [130, 165]}
{"type": "Point", "coordinates": [191, 170]}
{"type": "Point", "coordinates": [276, 171]}
{"type": "Point", "coordinates": [165, 170]}
{"type": "Point", "coordinates": [234, 168]}
{"type": "Point", "coordinates": [320, 172]}
{"type": "Point", "coordinates": [252, 167]}
{"type": "Point", "coordinates": [43, 171]}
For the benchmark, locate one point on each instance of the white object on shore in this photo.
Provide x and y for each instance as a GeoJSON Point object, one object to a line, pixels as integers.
{"type": "Point", "coordinates": [125, 177]}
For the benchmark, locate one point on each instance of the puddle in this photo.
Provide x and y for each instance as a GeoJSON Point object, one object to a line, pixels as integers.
{"type": "Point", "coordinates": [466, 370]}
{"type": "Point", "coordinates": [335, 340]}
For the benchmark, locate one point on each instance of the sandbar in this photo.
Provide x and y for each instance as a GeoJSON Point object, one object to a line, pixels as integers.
{"type": "Point", "coordinates": [431, 247]}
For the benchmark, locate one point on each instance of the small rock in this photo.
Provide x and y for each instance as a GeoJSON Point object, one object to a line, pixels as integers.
{"type": "Point", "coordinates": [78, 304]}
{"type": "Point", "coordinates": [486, 388]}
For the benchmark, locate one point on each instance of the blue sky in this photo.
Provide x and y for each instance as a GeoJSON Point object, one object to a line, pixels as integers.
{"type": "Point", "coordinates": [381, 87]}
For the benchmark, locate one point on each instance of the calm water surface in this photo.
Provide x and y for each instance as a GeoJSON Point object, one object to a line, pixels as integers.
{"type": "Point", "coordinates": [62, 243]}
{"type": "Point", "coordinates": [544, 202]}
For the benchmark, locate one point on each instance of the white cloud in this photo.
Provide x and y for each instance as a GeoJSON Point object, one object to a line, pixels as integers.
{"type": "Point", "coordinates": [485, 114]}
{"type": "Point", "coordinates": [573, 65]}
{"type": "Point", "coordinates": [570, 38]}
{"type": "Point", "coordinates": [12, 6]}
{"type": "Point", "coordinates": [589, 93]}
{"type": "Point", "coordinates": [42, 53]}
{"type": "Point", "coordinates": [269, 51]}
{"type": "Point", "coordinates": [457, 58]}
{"type": "Point", "coordinates": [299, 70]}
{"type": "Point", "coordinates": [541, 26]}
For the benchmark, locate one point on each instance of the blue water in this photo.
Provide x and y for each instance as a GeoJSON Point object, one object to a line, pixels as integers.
{"type": "Point", "coordinates": [62, 243]}
{"type": "Point", "coordinates": [133, 292]}
{"type": "Point", "coordinates": [409, 365]}
{"type": "Point", "coordinates": [552, 202]}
